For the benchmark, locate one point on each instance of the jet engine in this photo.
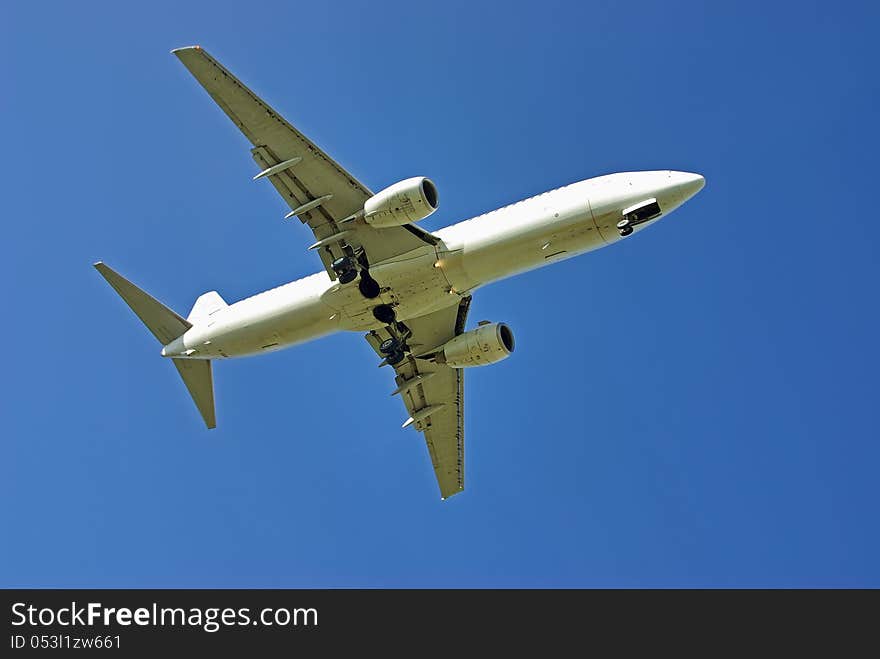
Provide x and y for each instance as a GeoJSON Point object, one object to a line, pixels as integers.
{"type": "Point", "coordinates": [410, 200]}
{"type": "Point", "coordinates": [489, 343]}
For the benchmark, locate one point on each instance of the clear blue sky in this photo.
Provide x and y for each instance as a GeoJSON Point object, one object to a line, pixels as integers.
{"type": "Point", "coordinates": [693, 407]}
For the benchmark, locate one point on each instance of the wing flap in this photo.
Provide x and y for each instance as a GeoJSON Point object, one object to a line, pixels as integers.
{"type": "Point", "coordinates": [443, 429]}
{"type": "Point", "coordinates": [434, 394]}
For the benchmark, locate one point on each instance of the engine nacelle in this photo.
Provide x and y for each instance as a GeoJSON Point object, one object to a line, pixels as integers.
{"type": "Point", "coordinates": [487, 344]}
{"type": "Point", "coordinates": [408, 201]}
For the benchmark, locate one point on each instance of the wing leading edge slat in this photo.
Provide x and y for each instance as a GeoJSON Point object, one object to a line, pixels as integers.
{"type": "Point", "coordinates": [304, 172]}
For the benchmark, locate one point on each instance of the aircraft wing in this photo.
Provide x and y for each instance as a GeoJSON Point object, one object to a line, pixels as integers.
{"type": "Point", "coordinates": [317, 189]}
{"type": "Point", "coordinates": [434, 393]}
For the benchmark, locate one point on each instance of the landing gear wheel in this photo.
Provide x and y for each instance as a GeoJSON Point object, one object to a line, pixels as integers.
{"type": "Point", "coordinates": [345, 269]}
{"type": "Point", "coordinates": [625, 231]}
{"type": "Point", "coordinates": [368, 286]}
{"type": "Point", "coordinates": [389, 346]}
{"type": "Point", "coordinates": [623, 223]}
{"type": "Point", "coordinates": [384, 313]}
{"type": "Point", "coordinates": [395, 357]}
{"type": "Point", "coordinates": [348, 276]}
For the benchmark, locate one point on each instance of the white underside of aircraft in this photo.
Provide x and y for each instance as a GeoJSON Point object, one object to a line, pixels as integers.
{"type": "Point", "coordinates": [407, 289]}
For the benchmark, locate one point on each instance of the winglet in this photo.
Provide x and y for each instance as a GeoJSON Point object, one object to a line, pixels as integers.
{"type": "Point", "coordinates": [174, 51]}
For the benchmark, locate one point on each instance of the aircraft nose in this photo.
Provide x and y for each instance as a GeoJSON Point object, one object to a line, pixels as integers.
{"type": "Point", "coordinates": [689, 184]}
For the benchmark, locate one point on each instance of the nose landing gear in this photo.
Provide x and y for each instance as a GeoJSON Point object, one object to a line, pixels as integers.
{"type": "Point", "coordinates": [638, 214]}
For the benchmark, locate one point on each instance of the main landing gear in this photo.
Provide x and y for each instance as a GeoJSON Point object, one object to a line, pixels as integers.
{"type": "Point", "coordinates": [624, 228]}
{"type": "Point", "coordinates": [368, 286]}
{"type": "Point", "coordinates": [347, 270]}
{"type": "Point", "coordinates": [384, 313]}
{"type": "Point", "coordinates": [393, 349]}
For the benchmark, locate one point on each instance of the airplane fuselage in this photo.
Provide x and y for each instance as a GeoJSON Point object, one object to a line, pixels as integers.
{"type": "Point", "coordinates": [407, 290]}
{"type": "Point", "coordinates": [549, 227]}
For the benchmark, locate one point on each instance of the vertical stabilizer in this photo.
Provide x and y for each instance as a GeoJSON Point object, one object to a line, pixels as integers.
{"type": "Point", "coordinates": [207, 304]}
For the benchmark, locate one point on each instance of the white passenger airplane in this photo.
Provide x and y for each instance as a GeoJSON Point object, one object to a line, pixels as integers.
{"type": "Point", "coordinates": [408, 289]}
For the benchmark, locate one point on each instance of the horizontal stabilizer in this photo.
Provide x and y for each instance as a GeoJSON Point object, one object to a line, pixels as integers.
{"type": "Point", "coordinates": [196, 374]}
{"type": "Point", "coordinates": [159, 319]}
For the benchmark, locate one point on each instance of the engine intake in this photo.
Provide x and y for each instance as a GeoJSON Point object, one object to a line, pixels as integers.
{"type": "Point", "coordinates": [410, 200]}
{"type": "Point", "coordinates": [484, 345]}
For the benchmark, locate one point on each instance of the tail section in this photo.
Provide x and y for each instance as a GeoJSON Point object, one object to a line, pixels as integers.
{"type": "Point", "coordinates": [167, 326]}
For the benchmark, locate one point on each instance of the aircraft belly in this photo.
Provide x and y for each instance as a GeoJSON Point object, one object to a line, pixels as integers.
{"type": "Point", "coordinates": [410, 283]}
